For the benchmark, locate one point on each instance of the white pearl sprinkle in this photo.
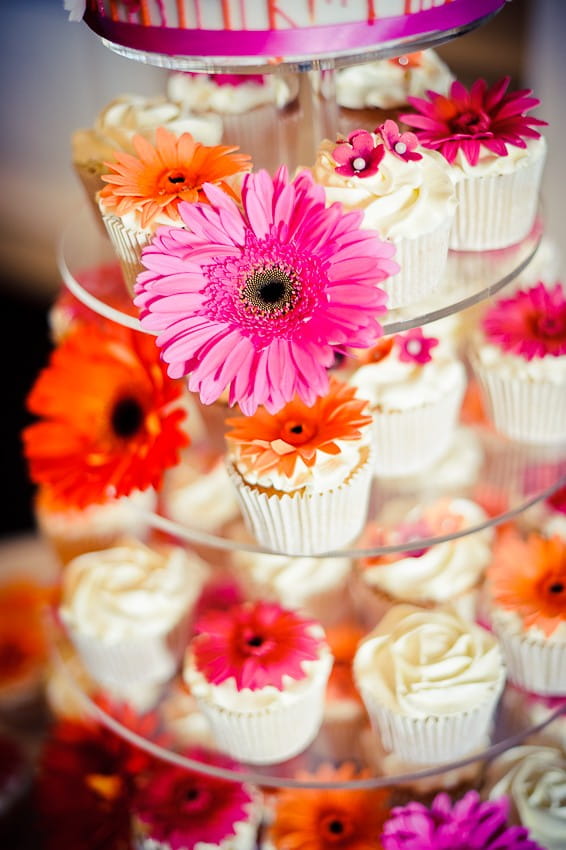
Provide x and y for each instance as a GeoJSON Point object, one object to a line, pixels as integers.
{"type": "Point", "coordinates": [359, 163]}
{"type": "Point", "coordinates": [401, 148]}
{"type": "Point", "coordinates": [413, 346]}
{"type": "Point", "coordinates": [403, 60]}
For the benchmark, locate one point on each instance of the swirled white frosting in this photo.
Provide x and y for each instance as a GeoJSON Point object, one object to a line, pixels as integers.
{"type": "Point", "coordinates": [387, 85]}
{"type": "Point", "coordinates": [130, 589]}
{"type": "Point", "coordinates": [420, 663]}
{"type": "Point", "coordinates": [392, 384]}
{"type": "Point", "coordinates": [534, 778]}
{"type": "Point", "coordinates": [403, 200]}
{"type": "Point", "coordinates": [493, 164]}
{"type": "Point", "coordinates": [200, 93]}
{"type": "Point", "coordinates": [510, 623]}
{"type": "Point", "coordinates": [200, 498]}
{"type": "Point", "coordinates": [512, 366]}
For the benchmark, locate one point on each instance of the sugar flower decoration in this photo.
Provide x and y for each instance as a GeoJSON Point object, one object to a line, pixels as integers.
{"type": "Point", "coordinates": [298, 432]}
{"type": "Point", "coordinates": [183, 810]}
{"type": "Point", "coordinates": [467, 120]}
{"type": "Point", "coordinates": [531, 323]}
{"type": "Point", "coordinates": [256, 644]}
{"type": "Point", "coordinates": [256, 301]}
{"type": "Point", "coordinates": [468, 824]}
{"type": "Point", "coordinates": [359, 156]}
{"type": "Point", "coordinates": [329, 819]}
{"type": "Point", "coordinates": [529, 578]}
{"type": "Point", "coordinates": [415, 347]}
{"type": "Point", "coordinates": [111, 419]}
{"type": "Point", "coordinates": [409, 60]}
{"type": "Point", "coordinates": [163, 175]}
{"type": "Point", "coordinates": [401, 145]}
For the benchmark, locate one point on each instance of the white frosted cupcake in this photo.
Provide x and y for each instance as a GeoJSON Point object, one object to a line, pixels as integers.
{"type": "Point", "coordinates": [405, 194]}
{"type": "Point", "coordinates": [533, 778]}
{"type": "Point", "coordinates": [415, 388]}
{"type": "Point", "coordinates": [303, 475]}
{"type": "Point", "coordinates": [496, 159]}
{"type": "Point", "coordinates": [430, 682]}
{"type": "Point", "coordinates": [519, 358]}
{"type": "Point", "coordinates": [259, 674]}
{"type": "Point", "coordinates": [127, 611]}
{"type": "Point", "coordinates": [526, 584]}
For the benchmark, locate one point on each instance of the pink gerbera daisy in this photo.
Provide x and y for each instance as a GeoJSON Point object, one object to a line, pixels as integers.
{"type": "Point", "coordinates": [465, 120]}
{"type": "Point", "coordinates": [257, 301]}
{"type": "Point", "coordinates": [531, 323]}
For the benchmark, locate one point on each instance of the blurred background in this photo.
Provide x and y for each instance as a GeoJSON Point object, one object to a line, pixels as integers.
{"type": "Point", "coordinates": [57, 76]}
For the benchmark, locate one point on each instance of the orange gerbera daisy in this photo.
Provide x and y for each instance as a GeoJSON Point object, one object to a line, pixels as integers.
{"type": "Point", "coordinates": [329, 819]}
{"type": "Point", "coordinates": [161, 176]}
{"type": "Point", "coordinates": [112, 419]}
{"type": "Point", "coordinates": [277, 440]}
{"type": "Point", "coordinates": [529, 577]}
{"type": "Point", "coordinates": [23, 644]}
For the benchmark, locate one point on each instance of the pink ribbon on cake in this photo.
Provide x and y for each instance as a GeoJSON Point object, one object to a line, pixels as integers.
{"type": "Point", "coordinates": [307, 42]}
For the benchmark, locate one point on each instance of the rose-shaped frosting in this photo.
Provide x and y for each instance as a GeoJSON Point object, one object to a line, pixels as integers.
{"type": "Point", "coordinates": [201, 93]}
{"type": "Point", "coordinates": [401, 200]}
{"type": "Point", "coordinates": [534, 778]}
{"type": "Point", "coordinates": [420, 663]}
{"type": "Point", "coordinates": [130, 589]}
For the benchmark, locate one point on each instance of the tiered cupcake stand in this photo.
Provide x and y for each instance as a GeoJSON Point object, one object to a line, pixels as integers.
{"type": "Point", "coordinates": [519, 475]}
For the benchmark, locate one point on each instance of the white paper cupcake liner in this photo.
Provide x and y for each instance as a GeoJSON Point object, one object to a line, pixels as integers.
{"type": "Point", "coordinates": [411, 440]}
{"type": "Point", "coordinates": [423, 265]}
{"type": "Point", "coordinates": [538, 666]}
{"type": "Point", "coordinates": [495, 211]}
{"type": "Point", "coordinates": [311, 523]}
{"type": "Point", "coordinates": [525, 410]}
{"type": "Point", "coordinates": [128, 244]}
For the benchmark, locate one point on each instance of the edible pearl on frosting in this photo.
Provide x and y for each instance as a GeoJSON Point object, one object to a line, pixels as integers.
{"type": "Point", "coordinates": [400, 147]}
{"type": "Point", "coordinates": [359, 163]}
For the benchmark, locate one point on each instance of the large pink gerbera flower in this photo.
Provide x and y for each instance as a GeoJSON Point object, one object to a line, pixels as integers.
{"type": "Point", "coordinates": [531, 323]}
{"type": "Point", "coordinates": [257, 301]}
{"type": "Point", "coordinates": [465, 120]}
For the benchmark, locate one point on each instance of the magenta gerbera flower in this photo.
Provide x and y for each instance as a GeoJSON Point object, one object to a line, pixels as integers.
{"type": "Point", "coordinates": [257, 301]}
{"type": "Point", "coordinates": [401, 145]}
{"type": "Point", "coordinates": [359, 156]}
{"type": "Point", "coordinates": [468, 824]}
{"type": "Point", "coordinates": [531, 323]}
{"type": "Point", "coordinates": [183, 810]}
{"type": "Point", "coordinates": [256, 644]}
{"type": "Point", "coordinates": [465, 120]}
{"type": "Point", "coordinates": [415, 347]}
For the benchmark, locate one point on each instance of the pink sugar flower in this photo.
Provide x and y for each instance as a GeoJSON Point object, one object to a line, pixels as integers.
{"type": "Point", "coordinates": [401, 145]}
{"type": "Point", "coordinates": [254, 643]}
{"type": "Point", "coordinates": [530, 323]}
{"type": "Point", "coordinates": [465, 120]}
{"type": "Point", "coordinates": [415, 347]}
{"type": "Point", "coordinates": [257, 301]}
{"type": "Point", "coordinates": [359, 156]}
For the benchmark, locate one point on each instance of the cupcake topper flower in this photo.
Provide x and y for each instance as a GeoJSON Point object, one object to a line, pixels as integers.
{"type": "Point", "coordinates": [529, 578]}
{"type": "Point", "coordinates": [409, 60]}
{"type": "Point", "coordinates": [401, 145]}
{"type": "Point", "coordinates": [256, 644]}
{"type": "Point", "coordinates": [278, 441]}
{"type": "Point", "coordinates": [359, 156]}
{"type": "Point", "coordinates": [256, 302]}
{"type": "Point", "coordinates": [415, 347]}
{"type": "Point", "coordinates": [160, 177]}
{"type": "Point", "coordinates": [468, 824]}
{"type": "Point", "coordinates": [111, 419]}
{"type": "Point", "coordinates": [467, 120]}
{"type": "Point", "coordinates": [531, 323]}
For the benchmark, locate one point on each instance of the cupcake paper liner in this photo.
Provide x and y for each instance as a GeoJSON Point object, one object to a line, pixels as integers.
{"type": "Point", "coordinates": [423, 265]}
{"type": "Point", "coordinates": [538, 666]}
{"type": "Point", "coordinates": [495, 211]}
{"type": "Point", "coordinates": [128, 243]}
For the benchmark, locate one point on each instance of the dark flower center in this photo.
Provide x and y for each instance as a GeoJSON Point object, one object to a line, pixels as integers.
{"type": "Point", "coordinates": [191, 794]}
{"type": "Point", "coordinates": [253, 642]}
{"type": "Point", "coordinates": [470, 122]}
{"type": "Point", "coordinates": [127, 417]}
{"type": "Point", "coordinates": [550, 325]}
{"type": "Point", "coordinates": [297, 433]}
{"type": "Point", "coordinates": [335, 828]}
{"type": "Point", "coordinates": [271, 290]}
{"type": "Point", "coordinates": [176, 177]}
{"type": "Point", "coordinates": [556, 587]}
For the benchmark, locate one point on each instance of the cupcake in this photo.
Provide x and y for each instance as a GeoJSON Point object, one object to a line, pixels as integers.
{"type": "Point", "coordinates": [127, 611]}
{"type": "Point", "coordinates": [496, 159]}
{"type": "Point", "coordinates": [526, 584]}
{"type": "Point", "coordinates": [303, 475]}
{"type": "Point", "coordinates": [533, 779]}
{"type": "Point", "coordinates": [415, 387]}
{"type": "Point", "coordinates": [185, 722]}
{"type": "Point", "coordinates": [519, 358]}
{"type": "Point", "coordinates": [430, 681]}
{"type": "Point", "coordinates": [259, 674]}
{"type": "Point", "coordinates": [406, 195]}
{"type": "Point", "coordinates": [144, 191]}
{"type": "Point", "coordinates": [430, 576]}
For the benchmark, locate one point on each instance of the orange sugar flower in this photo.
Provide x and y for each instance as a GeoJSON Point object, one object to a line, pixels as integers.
{"type": "Point", "coordinates": [329, 819]}
{"type": "Point", "coordinates": [161, 176]}
{"type": "Point", "coordinates": [111, 418]}
{"type": "Point", "coordinates": [277, 440]}
{"type": "Point", "coordinates": [529, 577]}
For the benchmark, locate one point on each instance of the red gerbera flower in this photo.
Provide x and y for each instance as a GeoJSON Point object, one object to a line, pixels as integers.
{"type": "Point", "coordinates": [465, 120]}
